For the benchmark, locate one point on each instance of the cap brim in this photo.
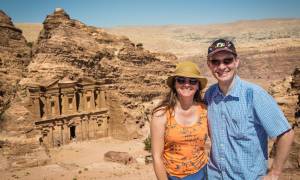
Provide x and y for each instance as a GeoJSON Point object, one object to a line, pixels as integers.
{"type": "Point", "coordinates": [221, 49]}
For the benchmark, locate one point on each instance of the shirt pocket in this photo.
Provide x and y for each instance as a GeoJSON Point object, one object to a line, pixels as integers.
{"type": "Point", "coordinates": [237, 125]}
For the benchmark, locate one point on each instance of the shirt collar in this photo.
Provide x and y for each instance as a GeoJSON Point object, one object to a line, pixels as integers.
{"type": "Point", "coordinates": [234, 91]}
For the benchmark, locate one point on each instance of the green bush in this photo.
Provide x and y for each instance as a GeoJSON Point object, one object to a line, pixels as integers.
{"type": "Point", "coordinates": [30, 44]}
{"type": "Point", "coordinates": [147, 143]}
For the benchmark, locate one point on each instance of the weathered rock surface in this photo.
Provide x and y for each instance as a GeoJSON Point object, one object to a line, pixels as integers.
{"type": "Point", "coordinates": [15, 55]}
{"type": "Point", "coordinates": [120, 157]}
{"type": "Point", "coordinates": [287, 94]}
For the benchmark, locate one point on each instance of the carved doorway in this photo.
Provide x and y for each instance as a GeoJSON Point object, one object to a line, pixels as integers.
{"type": "Point", "coordinates": [72, 132]}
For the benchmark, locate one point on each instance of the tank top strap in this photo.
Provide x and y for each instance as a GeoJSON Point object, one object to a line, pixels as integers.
{"type": "Point", "coordinates": [170, 117]}
{"type": "Point", "coordinates": [202, 110]}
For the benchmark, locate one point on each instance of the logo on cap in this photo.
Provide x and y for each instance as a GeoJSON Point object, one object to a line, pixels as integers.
{"type": "Point", "coordinates": [220, 45]}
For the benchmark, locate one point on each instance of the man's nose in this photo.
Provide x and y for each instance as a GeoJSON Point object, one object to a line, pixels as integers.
{"type": "Point", "coordinates": [222, 66]}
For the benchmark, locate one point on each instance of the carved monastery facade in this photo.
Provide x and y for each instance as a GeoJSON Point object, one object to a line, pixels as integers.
{"type": "Point", "coordinates": [67, 110]}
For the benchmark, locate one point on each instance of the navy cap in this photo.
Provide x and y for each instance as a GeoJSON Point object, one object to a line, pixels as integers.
{"type": "Point", "coordinates": [221, 45]}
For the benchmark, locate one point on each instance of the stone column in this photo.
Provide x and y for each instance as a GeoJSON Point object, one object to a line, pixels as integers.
{"type": "Point", "coordinates": [84, 104]}
{"type": "Point", "coordinates": [44, 109]}
{"type": "Point", "coordinates": [47, 106]}
{"type": "Point", "coordinates": [98, 100]}
{"type": "Point", "coordinates": [66, 132]}
{"type": "Point", "coordinates": [92, 128]}
{"type": "Point", "coordinates": [79, 130]}
{"type": "Point", "coordinates": [36, 107]}
{"type": "Point", "coordinates": [47, 137]}
{"type": "Point", "coordinates": [64, 108]}
{"type": "Point", "coordinates": [74, 110]}
{"type": "Point", "coordinates": [81, 103]}
{"type": "Point", "coordinates": [87, 129]}
{"type": "Point", "coordinates": [84, 128]}
{"type": "Point", "coordinates": [51, 144]}
{"type": "Point", "coordinates": [105, 123]}
{"type": "Point", "coordinates": [62, 134]}
{"type": "Point", "coordinates": [56, 105]}
{"type": "Point", "coordinates": [102, 103]}
{"type": "Point", "coordinates": [92, 101]}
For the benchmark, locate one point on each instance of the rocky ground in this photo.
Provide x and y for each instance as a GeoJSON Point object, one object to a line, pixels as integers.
{"type": "Point", "coordinates": [85, 160]}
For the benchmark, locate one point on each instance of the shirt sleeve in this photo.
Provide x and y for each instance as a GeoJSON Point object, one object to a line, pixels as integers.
{"type": "Point", "coordinates": [269, 114]}
{"type": "Point", "coordinates": [205, 98]}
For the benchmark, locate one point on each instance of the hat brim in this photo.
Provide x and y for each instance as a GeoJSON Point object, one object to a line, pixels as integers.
{"type": "Point", "coordinates": [202, 80]}
{"type": "Point", "coordinates": [221, 49]}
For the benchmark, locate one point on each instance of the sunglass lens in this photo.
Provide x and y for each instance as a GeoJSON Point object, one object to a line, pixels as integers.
{"type": "Point", "coordinates": [193, 81]}
{"type": "Point", "coordinates": [228, 61]}
{"type": "Point", "coordinates": [180, 80]}
{"type": "Point", "coordinates": [215, 62]}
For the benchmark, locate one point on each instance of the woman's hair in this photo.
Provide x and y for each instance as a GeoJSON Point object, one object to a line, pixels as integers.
{"type": "Point", "coordinates": [169, 101]}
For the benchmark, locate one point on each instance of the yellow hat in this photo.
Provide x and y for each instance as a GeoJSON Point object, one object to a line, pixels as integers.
{"type": "Point", "coordinates": [187, 69]}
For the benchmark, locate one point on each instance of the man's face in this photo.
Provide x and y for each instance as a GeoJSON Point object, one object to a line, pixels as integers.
{"type": "Point", "coordinates": [223, 66]}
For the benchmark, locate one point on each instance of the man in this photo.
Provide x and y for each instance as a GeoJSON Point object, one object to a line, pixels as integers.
{"type": "Point", "coordinates": [241, 117]}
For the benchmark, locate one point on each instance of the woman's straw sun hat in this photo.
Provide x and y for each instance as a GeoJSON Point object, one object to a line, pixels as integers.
{"type": "Point", "coordinates": [187, 69]}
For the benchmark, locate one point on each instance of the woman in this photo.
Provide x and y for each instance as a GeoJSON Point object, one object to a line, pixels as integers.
{"type": "Point", "coordinates": [179, 127]}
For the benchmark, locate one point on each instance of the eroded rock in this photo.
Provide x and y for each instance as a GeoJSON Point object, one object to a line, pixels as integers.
{"type": "Point", "coordinates": [120, 157]}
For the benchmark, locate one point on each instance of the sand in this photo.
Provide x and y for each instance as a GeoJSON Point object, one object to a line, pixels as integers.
{"type": "Point", "coordinates": [85, 160]}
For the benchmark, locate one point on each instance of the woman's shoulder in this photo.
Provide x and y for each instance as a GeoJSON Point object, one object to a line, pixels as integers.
{"type": "Point", "coordinates": [160, 115]}
{"type": "Point", "coordinates": [201, 106]}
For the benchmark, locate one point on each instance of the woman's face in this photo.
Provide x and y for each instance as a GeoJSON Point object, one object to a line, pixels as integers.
{"type": "Point", "coordinates": [186, 87]}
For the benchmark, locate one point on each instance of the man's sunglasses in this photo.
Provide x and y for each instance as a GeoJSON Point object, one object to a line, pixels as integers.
{"type": "Point", "coordinates": [217, 62]}
{"type": "Point", "coordinates": [183, 80]}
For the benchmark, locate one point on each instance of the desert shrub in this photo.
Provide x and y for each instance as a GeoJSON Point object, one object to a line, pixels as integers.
{"type": "Point", "coordinates": [147, 143]}
{"type": "Point", "coordinates": [30, 44]}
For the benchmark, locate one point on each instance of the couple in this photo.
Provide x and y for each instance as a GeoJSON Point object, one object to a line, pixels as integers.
{"type": "Point", "coordinates": [238, 116]}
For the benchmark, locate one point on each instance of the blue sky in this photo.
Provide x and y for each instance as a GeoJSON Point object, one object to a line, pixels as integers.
{"type": "Point", "coordinates": [110, 13]}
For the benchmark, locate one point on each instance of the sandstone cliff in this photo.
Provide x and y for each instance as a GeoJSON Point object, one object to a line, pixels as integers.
{"type": "Point", "coordinates": [15, 55]}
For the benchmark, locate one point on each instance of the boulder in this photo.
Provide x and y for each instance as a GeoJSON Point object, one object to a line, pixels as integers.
{"type": "Point", "coordinates": [119, 157]}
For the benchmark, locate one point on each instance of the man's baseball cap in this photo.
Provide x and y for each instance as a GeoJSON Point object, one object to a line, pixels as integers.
{"type": "Point", "coordinates": [221, 45]}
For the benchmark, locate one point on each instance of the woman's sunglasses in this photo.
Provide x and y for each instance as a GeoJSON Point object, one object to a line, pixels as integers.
{"type": "Point", "coordinates": [217, 62]}
{"type": "Point", "coordinates": [183, 80]}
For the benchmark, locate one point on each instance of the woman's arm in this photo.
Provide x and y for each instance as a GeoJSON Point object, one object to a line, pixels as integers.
{"type": "Point", "coordinates": [157, 143]}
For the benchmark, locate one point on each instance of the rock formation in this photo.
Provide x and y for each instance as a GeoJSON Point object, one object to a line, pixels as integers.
{"type": "Point", "coordinates": [81, 83]}
{"type": "Point", "coordinates": [287, 94]}
{"type": "Point", "coordinates": [295, 154]}
{"type": "Point", "coordinates": [15, 55]}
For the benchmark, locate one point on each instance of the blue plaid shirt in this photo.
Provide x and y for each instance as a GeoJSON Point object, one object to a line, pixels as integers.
{"type": "Point", "coordinates": [240, 124]}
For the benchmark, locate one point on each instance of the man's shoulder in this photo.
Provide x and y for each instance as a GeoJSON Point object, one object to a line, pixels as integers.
{"type": "Point", "coordinates": [251, 86]}
{"type": "Point", "coordinates": [212, 88]}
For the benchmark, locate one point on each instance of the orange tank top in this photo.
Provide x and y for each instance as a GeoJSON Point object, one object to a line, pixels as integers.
{"type": "Point", "coordinates": [184, 147]}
